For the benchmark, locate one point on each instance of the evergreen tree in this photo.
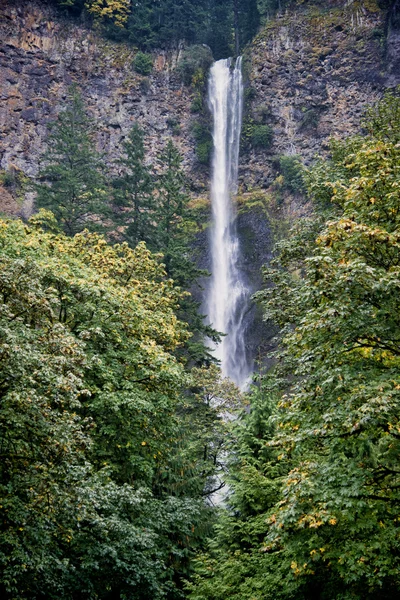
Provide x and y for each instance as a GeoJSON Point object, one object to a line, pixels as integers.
{"type": "Point", "coordinates": [134, 191]}
{"type": "Point", "coordinates": [171, 212]}
{"type": "Point", "coordinates": [174, 236]}
{"type": "Point", "coordinates": [72, 184]}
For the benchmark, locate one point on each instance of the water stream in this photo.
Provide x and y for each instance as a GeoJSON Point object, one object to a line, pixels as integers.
{"type": "Point", "coordinates": [228, 295]}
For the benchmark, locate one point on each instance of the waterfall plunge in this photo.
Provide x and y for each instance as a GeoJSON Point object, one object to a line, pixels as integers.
{"type": "Point", "coordinates": [228, 296]}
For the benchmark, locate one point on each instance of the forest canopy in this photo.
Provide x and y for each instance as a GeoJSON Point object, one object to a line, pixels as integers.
{"type": "Point", "coordinates": [99, 491]}
{"type": "Point", "coordinates": [113, 432]}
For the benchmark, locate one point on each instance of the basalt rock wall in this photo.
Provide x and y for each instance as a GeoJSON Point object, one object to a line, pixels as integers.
{"type": "Point", "coordinates": [310, 73]}
{"type": "Point", "coordinates": [41, 55]}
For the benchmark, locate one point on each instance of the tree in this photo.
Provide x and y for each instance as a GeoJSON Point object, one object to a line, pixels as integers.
{"type": "Point", "coordinates": [175, 226]}
{"type": "Point", "coordinates": [134, 191]}
{"type": "Point", "coordinates": [315, 500]}
{"type": "Point", "coordinates": [238, 564]}
{"type": "Point", "coordinates": [72, 185]}
{"type": "Point", "coordinates": [88, 420]}
{"type": "Point", "coordinates": [204, 429]}
{"type": "Point", "coordinates": [116, 11]}
{"type": "Point", "coordinates": [338, 420]}
{"type": "Point", "coordinates": [172, 202]}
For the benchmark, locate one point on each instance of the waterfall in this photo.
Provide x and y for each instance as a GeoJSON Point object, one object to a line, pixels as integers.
{"type": "Point", "coordinates": [228, 295]}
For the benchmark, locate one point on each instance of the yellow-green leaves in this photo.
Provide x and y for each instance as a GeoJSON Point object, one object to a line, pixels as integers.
{"type": "Point", "coordinates": [116, 11]}
{"type": "Point", "coordinates": [89, 390]}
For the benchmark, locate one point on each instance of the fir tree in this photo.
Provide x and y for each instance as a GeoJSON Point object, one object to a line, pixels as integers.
{"type": "Point", "coordinates": [72, 185]}
{"type": "Point", "coordinates": [172, 208]}
{"type": "Point", "coordinates": [174, 224]}
{"type": "Point", "coordinates": [134, 191]}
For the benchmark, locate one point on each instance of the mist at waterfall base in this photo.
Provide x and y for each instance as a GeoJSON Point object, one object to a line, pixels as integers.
{"type": "Point", "coordinates": [228, 296]}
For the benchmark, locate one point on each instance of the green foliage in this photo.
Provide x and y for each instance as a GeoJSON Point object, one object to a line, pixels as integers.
{"type": "Point", "coordinates": [250, 93]}
{"type": "Point", "coordinates": [310, 118]}
{"type": "Point", "coordinates": [90, 390]}
{"type": "Point", "coordinates": [267, 8]}
{"type": "Point", "coordinates": [247, 20]}
{"type": "Point", "coordinates": [338, 421]}
{"type": "Point", "coordinates": [261, 136]}
{"type": "Point", "coordinates": [257, 135]}
{"type": "Point", "coordinates": [147, 24]}
{"type": "Point", "coordinates": [218, 28]}
{"type": "Point", "coordinates": [115, 11]}
{"type": "Point", "coordinates": [197, 103]}
{"type": "Point", "coordinates": [292, 170]}
{"type": "Point", "coordinates": [204, 145]}
{"type": "Point", "coordinates": [204, 434]}
{"type": "Point", "coordinates": [15, 181]}
{"type": "Point", "coordinates": [315, 473]}
{"type": "Point", "coordinates": [238, 565]}
{"type": "Point", "coordinates": [175, 226]}
{"type": "Point", "coordinates": [134, 192]}
{"type": "Point", "coordinates": [203, 152]}
{"type": "Point", "coordinates": [72, 182]}
{"type": "Point", "coordinates": [383, 119]}
{"type": "Point", "coordinates": [8, 179]}
{"type": "Point", "coordinates": [105, 11]}
{"type": "Point", "coordinates": [143, 63]}
{"type": "Point", "coordinates": [195, 60]}
{"type": "Point", "coordinates": [174, 124]}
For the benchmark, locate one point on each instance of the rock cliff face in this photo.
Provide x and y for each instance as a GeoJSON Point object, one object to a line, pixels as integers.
{"type": "Point", "coordinates": [40, 56]}
{"type": "Point", "coordinates": [312, 72]}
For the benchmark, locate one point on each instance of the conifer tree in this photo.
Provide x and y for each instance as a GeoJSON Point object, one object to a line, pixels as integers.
{"type": "Point", "coordinates": [134, 191]}
{"type": "Point", "coordinates": [72, 185]}
{"type": "Point", "coordinates": [172, 208]}
{"type": "Point", "coordinates": [174, 220]}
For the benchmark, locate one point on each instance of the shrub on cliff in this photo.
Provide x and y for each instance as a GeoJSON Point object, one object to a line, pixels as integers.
{"type": "Point", "coordinates": [194, 59]}
{"type": "Point", "coordinates": [292, 170]}
{"type": "Point", "coordinates": [143, 63]}
{"type": "Point", "coordinates": [261, 136]}
{"type": "Point", "coordinates": [202, 135]}
{"type": "Point", "coordinates": [257, 135]}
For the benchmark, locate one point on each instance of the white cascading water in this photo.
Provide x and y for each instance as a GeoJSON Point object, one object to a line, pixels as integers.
{"type": "Point", "coordinates": [228, 296]}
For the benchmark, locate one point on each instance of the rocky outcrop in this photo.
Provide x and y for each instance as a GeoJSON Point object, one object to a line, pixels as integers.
{"type": "Point", "coordinates": [41, 55]}
{"type": "Point", "coordinates": [311, 73]}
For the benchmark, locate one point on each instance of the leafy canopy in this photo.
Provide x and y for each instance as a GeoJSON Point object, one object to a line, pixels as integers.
{"type": "Point", "coordinates": [88, 420]}
{"type": "Point", "coordinates": [316, 479]}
